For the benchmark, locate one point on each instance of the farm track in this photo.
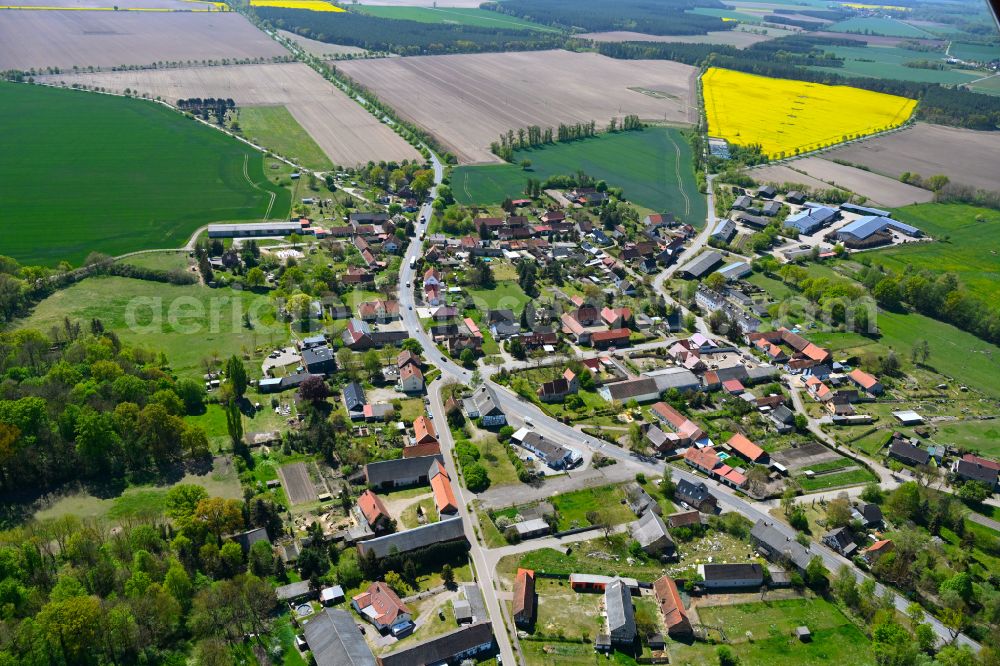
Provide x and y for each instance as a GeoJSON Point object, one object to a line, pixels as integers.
{"type": "Point", "coordinates": [270, 205]}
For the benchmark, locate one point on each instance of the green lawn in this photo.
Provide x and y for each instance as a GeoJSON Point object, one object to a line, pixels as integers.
{"type": "Point", "coordinates": [654, 168]}
{"type": "Point", "coordinates": [835, 640]}
{"type": "Point", "coordinates": [981, 436]}
{"type": "Point", "coordinates": [849, 478]}
{"type": "Point", "coordinates": [585, 557]}
{"type": "Point", "coordinates": [451, 15]}
{"type": "Point", "coordinates": [276, 129]}
{"type": "Point", "coordinates": [606, 500]}
{"type": "Point", "coordinates": [968, 252]}
{"type": "Point", "coordinates": [506, 295]}
{"type": "Point", "coordinates": [160, 261]}
{"type": "Point", "coordinates": [188, 323]}
{"type": "Point", "coordinates": [884, 62]}
{"type": "Point", "coordinates": [879, 26]}
{"type": "Point", "coordinates": [100, 173]}
{"type": "Point", "coordinates": [213, 422]}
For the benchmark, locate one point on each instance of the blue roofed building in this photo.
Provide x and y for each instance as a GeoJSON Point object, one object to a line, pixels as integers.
{"type": "Point", "coordinates": [872, 231]}
{"type": "Point", "coordinates": [811, 219]}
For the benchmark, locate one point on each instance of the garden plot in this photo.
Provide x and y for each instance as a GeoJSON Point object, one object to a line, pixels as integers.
{"type": "Point", "coordinates": [467, 101]}
{"type": "Point", "coordinates": [298, 486]}
{"type": "Point", "coordinates": [67, 39]}
{"type": "Point", "coordinates": [347, 133]}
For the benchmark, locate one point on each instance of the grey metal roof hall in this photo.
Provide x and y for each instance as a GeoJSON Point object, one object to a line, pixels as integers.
{"type": "Point", "coordinates": [419, 537]}
{"type": "Point", "coordinates": [702, 264]}
{"type": "Point", "coordinates": [335, 640]}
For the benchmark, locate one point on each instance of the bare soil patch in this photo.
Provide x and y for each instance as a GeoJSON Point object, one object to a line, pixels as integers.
{"type": "Point", "coordinates": [805, 456]}
{"type": "Point", "coordinates": [298, 486]}
{"type": "Point", "coordinates": [347, 133]}
{"type": "Point", "coordinates": [466, 101]}
{"type": "Point", "coordinates": [779, 173]}
{"type": "Point", "coordinates": [878, 188]}
{"type": "Point", "coordinates": [321, 49]}
{"type": "Point", "coordinates": [40, 39]}
{"type": "Point", "coordinates": [966, 156]}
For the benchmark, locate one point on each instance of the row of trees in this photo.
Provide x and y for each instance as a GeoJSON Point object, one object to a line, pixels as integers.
{"type": "Point", "coordinates": [635, 15]}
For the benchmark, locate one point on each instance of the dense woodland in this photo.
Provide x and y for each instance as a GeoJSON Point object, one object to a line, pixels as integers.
{"type": "Point", "coordinates": [663, 17]}
{"type": "Point", "coordinates": [405, 37]}
{"type": "Point", "coordinates": [80, 405]}
{"type": "Point", "coordinates": [787, 58]}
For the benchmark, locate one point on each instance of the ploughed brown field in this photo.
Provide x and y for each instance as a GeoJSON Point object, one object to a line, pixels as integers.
{"type": "Point", "coordinates": [39, 39]}
{"type": "Point", "coordinates": [738, 38]}
{"type": "Point", "coordinates": [965, 156]}
{"type": "Point", "coordinates": [321, 49]}
{"type": "Point", "coordinates": [467, 101]}
{"type": "Point", "coordinates": [879, 189]}
{"type": "Point", "coordinates": [347, 133]}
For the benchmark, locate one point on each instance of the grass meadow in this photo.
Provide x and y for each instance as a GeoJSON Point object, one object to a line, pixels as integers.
{"type": "Point", "coordinates": [883, 62]}
{"type": "Point", "coordinates": [978, 52]}
{"type": "Point", "coordinates": [90, 172]}
{"type": "Point", "coordinates": [274, 128]}
{"type": "Point", "coordinates": [452, 15]}
{"type": "Point", "coordinates": [970, 251]}
{"type": "Point", "coordinates": [188, 323]}
{"type": "Point", "coordinates": [654, 167]}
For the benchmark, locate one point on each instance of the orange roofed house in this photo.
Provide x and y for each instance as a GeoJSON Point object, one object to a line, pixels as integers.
{"type": "Point", "coordinates": [444, 496]}
{"type": "Point", "coordinates": [380, 606]}
{"type": "Point", "coordinates": [524, 598]}
{"type": "Point", "coordinates": [424, 431]}
{"type": "Point", "coordinates": [374, 512]}
{"type": "Point", "coordinates": [672, 608]}
{"type": "Point", "coordinates": [746, 449]}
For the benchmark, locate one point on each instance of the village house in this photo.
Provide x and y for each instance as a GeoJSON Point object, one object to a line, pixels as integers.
{"type": "Point", "coordinates": [354, 400]}
{"type": "Point", "coordinates": [731, 576]}
{"type": "Point", "coordinates": [971, 468]}
{"type": "Point", "coordinates": [651, 534]}
{"type": "Point", "coordinates": [444, 496]}
{"type": "Point", "coordinates": [399, 473]}
{"type": "Point", "coordinates": [443, 531]}
{"type": "Point", "coordinates": [380, 606]}
{"type": "Point", "coordinates": [746, 449]}
{"type": "Point", "coordinates": [840, 540]}
{"type": "Point", "coordinates": [671, 605]}
{"type": "Point", "coordinates": [557, 389]}
{"type": "Point", "coordinates": [552, 454]}
{"type": "Point", "coordinates": [877, 550]}
{"type": "Point", "coordinates": [374, 512]}
{"type": "Point", "coordinates": [380, 311]}
{"type": "Point", "coordinates": [411, 379]}
{"type": "Point", "coordinates": [483, 405]}
{"type": "Point", "coordinates": [424, 431]}
{"type": "Point", "coordinates": [453, 647]}
{"type": "Point", "coordinates": [696, 495]}
{"type": "Point", "coordinates": [776, 546]}
{"type": "Point", "coordinates": [523, 602]}
{"type": "Point", "coordinates": [905, 452]}
{"type": "Point", "coordinates": [866, 382]}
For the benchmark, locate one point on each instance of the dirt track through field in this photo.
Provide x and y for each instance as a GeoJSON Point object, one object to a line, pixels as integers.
{"type": "Point", "coordinates": [467, 101]}
{"type": "Point", "coordinates": [40, 39]}
{"type": "Point", "coordinates": [347, 133]}
{"type": "Point", "coordinates": [965, 156]}
{"type": "Point", "coordinates": [298, 486]}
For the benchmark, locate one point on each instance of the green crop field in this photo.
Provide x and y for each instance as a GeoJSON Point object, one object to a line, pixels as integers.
{"type": "Point", "coordinates": [970, 251]}
{"type": "Point", "coordinates": [884, 62]}
{"type": "Point", "coordinates": [978, 52]}
{"type": "Point", "coordinates": [476, 17]}
{"type": "Point", "coordinates": [988, 86]}
{"type": "Point", "coordinates": [274, 128]}
{"type": "Point", "coordinates": [90, 172]}
{"type": "Point", "coordinates": [654, 167]}
{"type": "Point", "coordinates": [879, 26]}
{"type": "Point", "coordinates": [187, 323]}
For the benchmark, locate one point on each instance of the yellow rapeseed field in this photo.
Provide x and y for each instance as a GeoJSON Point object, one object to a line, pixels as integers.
{"type": "Point", "coordinates": [311, 5]}
{"type": "Point", "coordinates": [788, 117]}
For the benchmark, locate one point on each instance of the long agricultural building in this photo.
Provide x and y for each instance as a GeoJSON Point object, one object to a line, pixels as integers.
{"type": "Point", "coordinates": [254, 229]}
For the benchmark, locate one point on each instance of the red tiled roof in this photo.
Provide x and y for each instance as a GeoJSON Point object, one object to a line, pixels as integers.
{"type": "Point", "coordinates": [704, 459]}
{"type": "Point", "coordinates": [431, 448]}
{"type": "Point", "coordinates": [372, 507]}
{"type": "Point", "coordinates": [423, 429]}
{"type": "Point", "coordinates": [733, 386]}
{"type": "Point", "coordinates": [523, 601]}
{"type": "Point", "coordinates": [383, 601]}
{"type": "Point", "coordinates": [444, 496]}
{"type": "Point", "coordinates": [745, 447]}
{"type": "Point", "coordinates": [609, 336]}
{"type": "Point", "coordinates": [976, 460]}
{"type": "Point", "coordinates": [671, 606]}
{"type": "Point", "coordinates": [863, 379]}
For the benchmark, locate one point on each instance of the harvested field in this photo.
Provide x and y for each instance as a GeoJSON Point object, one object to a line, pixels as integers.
{"type": "Point", "coordinates": [30, 39]}
{"type": "Point", "coordinates": [321, 49]}
{"type": "Point", "coordinates": [879, 189]}
{"type": "Point", "coordinates": [342, 128]}
{"type": "Point", "coordinates": [738, 38]}
{"type": "Point", "coordinates": [965, 156]}
{"type": "Point", "coordinates": [466, 101]}
{"type": "Point", "coordinates": [122, 5]}
{"type": "Point", "coordinates": [298, 486]}
{"type": "Point", "coordinates": [779, 173]}
{"type": "Point", "coordinates": [467, 4]}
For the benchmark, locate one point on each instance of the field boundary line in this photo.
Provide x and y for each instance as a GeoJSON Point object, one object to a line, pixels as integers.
{"type": "Point", "coordinates": [246, 160]}
{"type": "Point", "coordinates": [677, 173]}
